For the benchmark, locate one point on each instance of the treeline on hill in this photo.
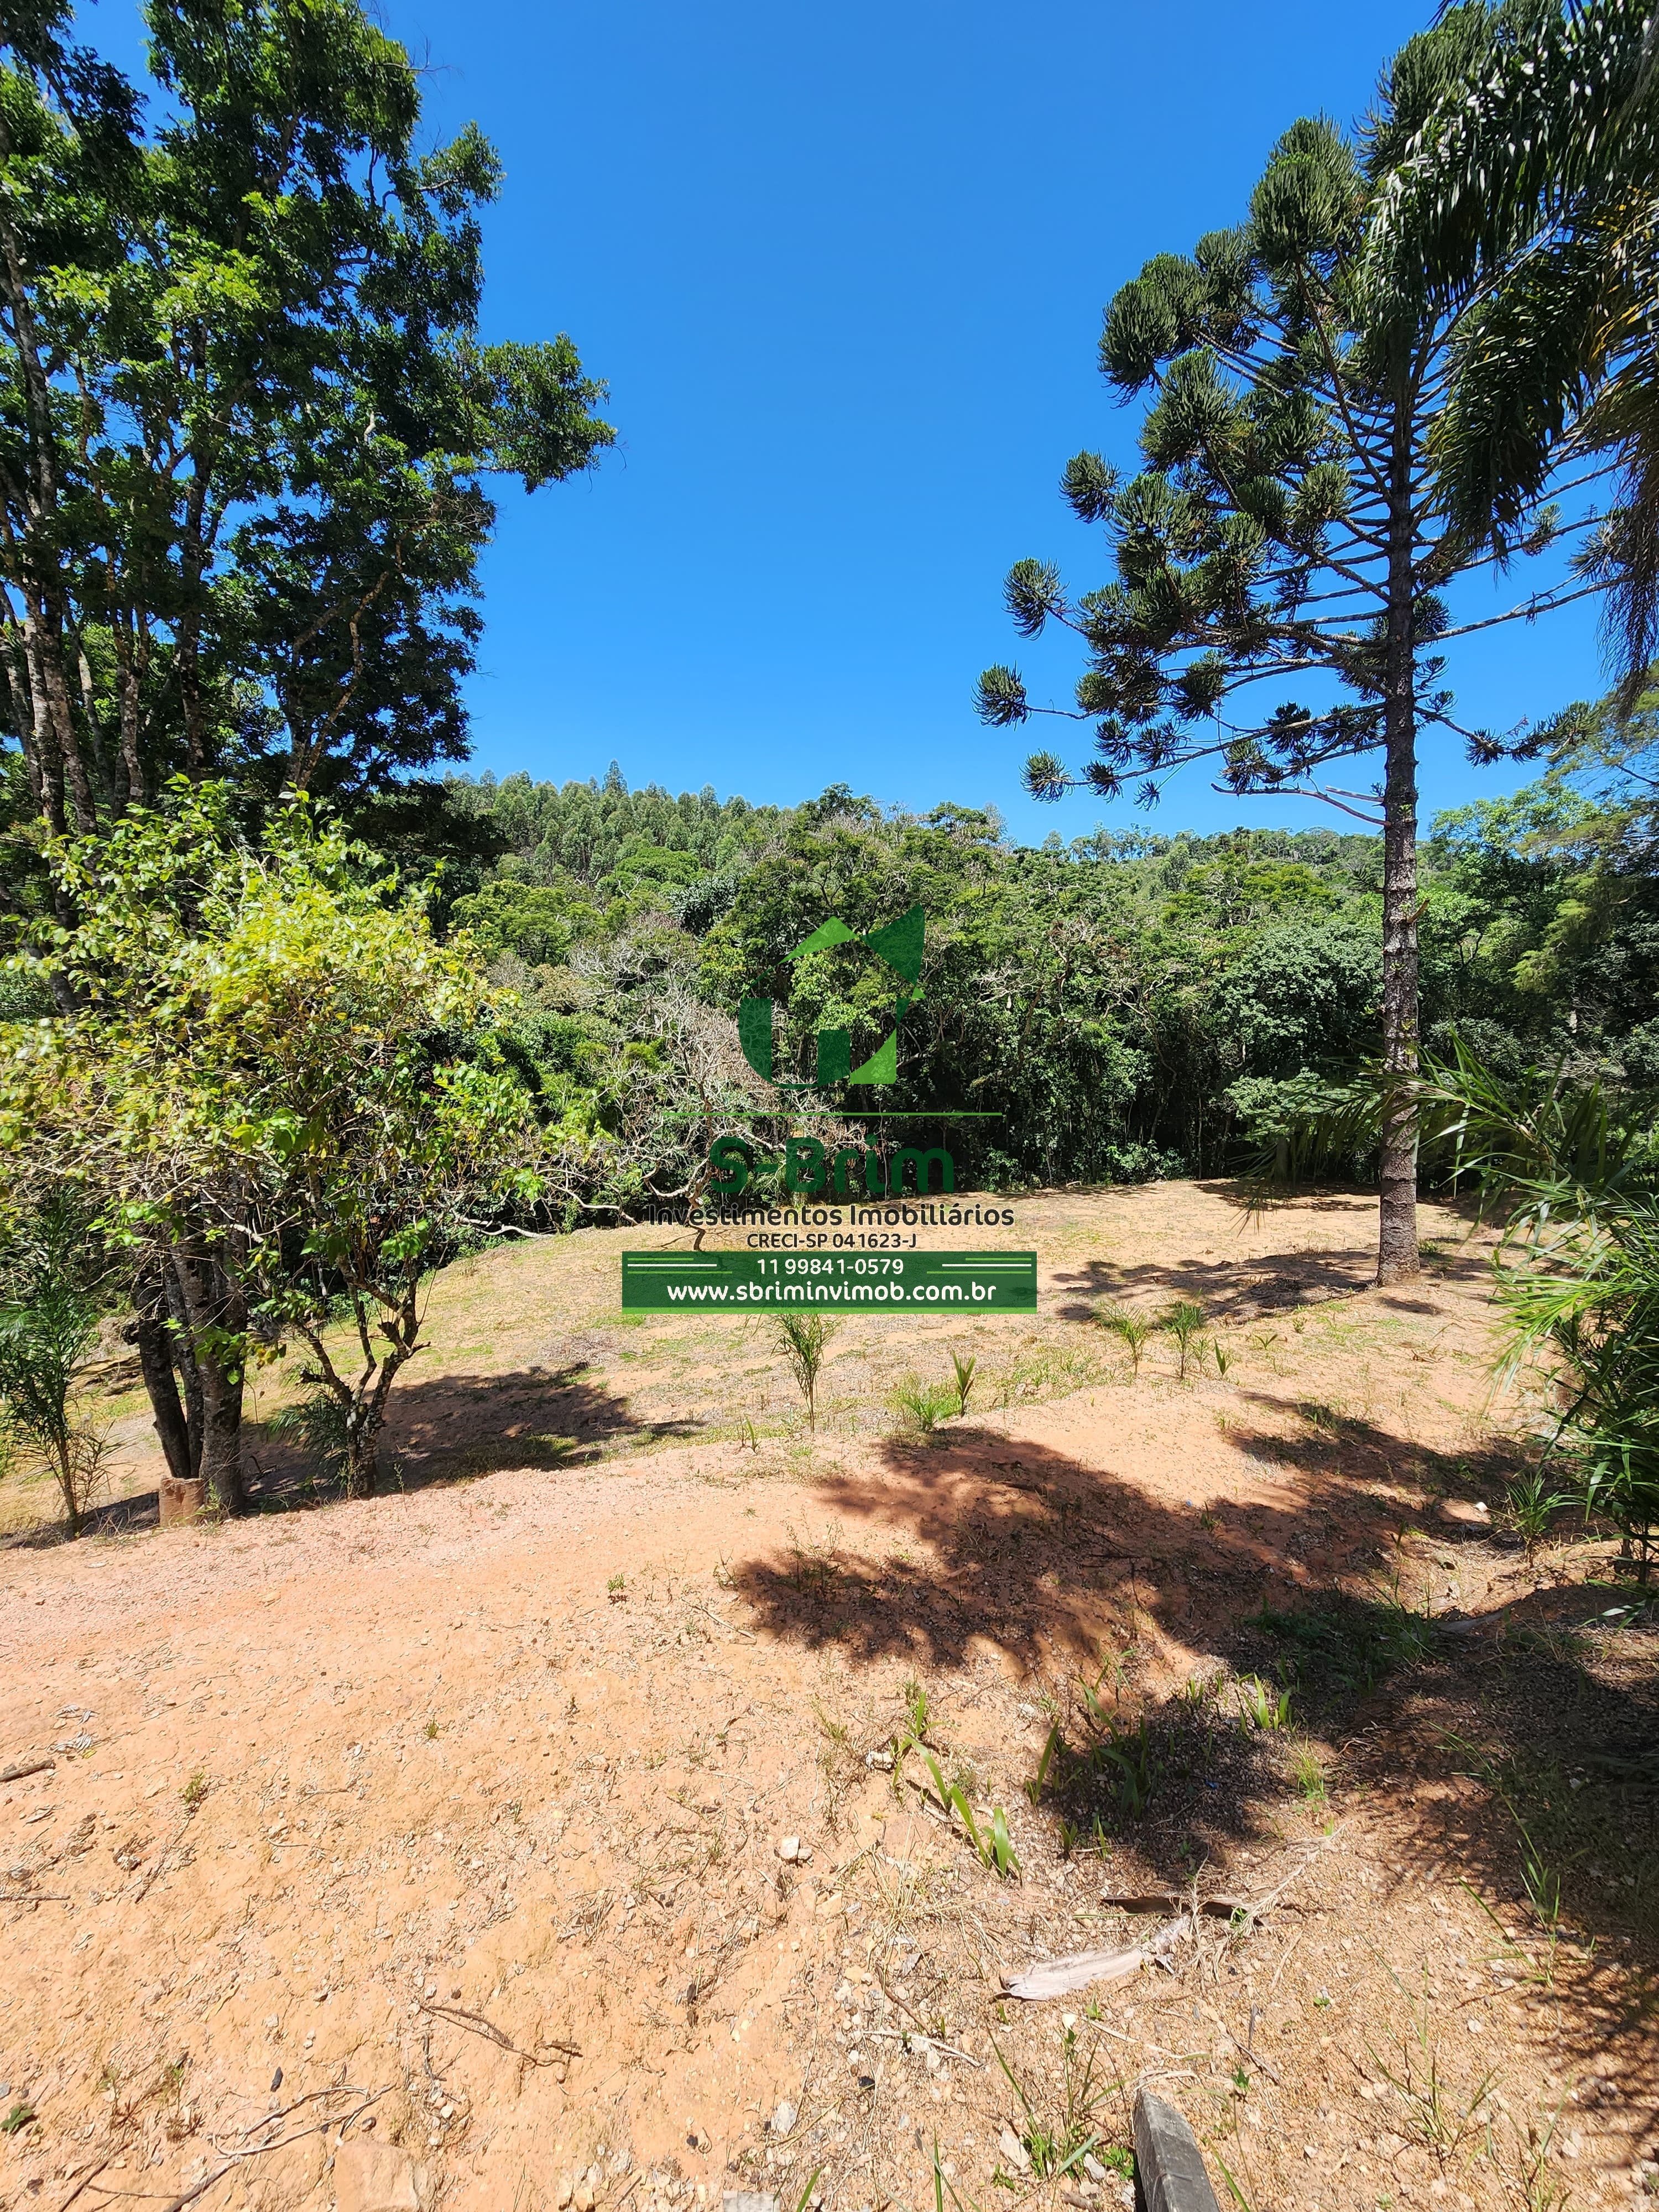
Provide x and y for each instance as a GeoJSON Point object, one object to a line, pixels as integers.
{"type": "Point", "coordinates": [1125, 1006]}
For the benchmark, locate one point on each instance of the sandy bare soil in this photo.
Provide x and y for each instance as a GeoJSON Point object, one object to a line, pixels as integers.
{"type": "Point", "coordinates": [562, 1827]}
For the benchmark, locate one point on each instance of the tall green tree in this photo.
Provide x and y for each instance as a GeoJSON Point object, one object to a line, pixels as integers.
{"type": "Point", "coordinates": [1283, 530]}
{"type": "Point", "coordinates": [247, 421]}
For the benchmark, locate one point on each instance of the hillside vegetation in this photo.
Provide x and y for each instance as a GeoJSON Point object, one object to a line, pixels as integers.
{"type": "Point", "coordinates": [1127, 1006]}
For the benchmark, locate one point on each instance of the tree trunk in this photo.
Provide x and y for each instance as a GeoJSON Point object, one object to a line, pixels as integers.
{"type": "Point", "coordinates": [1396, 1250]}
{"type": "Point", "coordinates": [182, 1346]}
{"type": "Point", "coordinates": [215, 1317]}
{"type": "Point", "coordinates": [156, 1364]}
{"type": "Point", "coordinates": [221, 1429]}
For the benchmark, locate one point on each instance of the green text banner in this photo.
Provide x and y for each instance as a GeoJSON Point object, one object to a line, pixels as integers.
{"type": "Point", "coordinates": [840, 1282]}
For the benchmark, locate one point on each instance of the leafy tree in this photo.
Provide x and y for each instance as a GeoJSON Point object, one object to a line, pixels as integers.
{"type": "Point", "coordinates": [53, 1297]}
{"type": "Point", "coordinates": [1282, 528]}
{"type": "Point", "coordinates": [245, 416]}
{"type": "Point", "coordinates": [281, 1091]}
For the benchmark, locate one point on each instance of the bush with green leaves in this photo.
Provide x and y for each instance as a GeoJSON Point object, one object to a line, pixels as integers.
{"type": "Point", "coordinates": [1569, 1166]}
{"type": "Point", "coordinates": [53, 1294]}
{"type": "Point", "coordinates": [277, 1088]}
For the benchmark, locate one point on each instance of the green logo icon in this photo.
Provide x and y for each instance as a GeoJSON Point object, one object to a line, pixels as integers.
{"type": "Point", "coordinates": [899, 946]}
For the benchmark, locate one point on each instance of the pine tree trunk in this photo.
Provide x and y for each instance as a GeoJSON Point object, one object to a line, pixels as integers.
{"type": "Point", "coordinates": [1396, 1250]}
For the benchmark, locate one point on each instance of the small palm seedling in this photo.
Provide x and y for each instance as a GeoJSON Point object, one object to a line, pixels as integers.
{"type": "Point", "coordinates": [804, 1339]}
{"type": "Point", "coordinates": [912, 1735]}
{"type": "Point", "coordinates": [1532, 1508]}
{"type": "Point", "coordinates": [316, 1423]}
{"type": "Point", "coordinates": [964, 1378]}
{"type": "Point", "coordinates": [1183, 1320]}
{"type": "Point", "coordinates": [1128, 1753]}
{"type": "Point", "coordinates": [1055, 1746]}
{"type": "Point", "coordinates": [922, 1406]}
{"type": "Point", "coordinates": [1262, 1706]}
{"type": "Point", "coordinates": [1223, 1359]}
{"type": "Point", "coordinates": [1131, 1327]}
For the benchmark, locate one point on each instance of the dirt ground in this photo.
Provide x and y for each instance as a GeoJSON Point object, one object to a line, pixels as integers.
{"type": "Point", "coordinates": [565, 1826]}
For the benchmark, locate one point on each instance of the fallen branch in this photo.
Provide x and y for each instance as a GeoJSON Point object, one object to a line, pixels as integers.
{"type": "Point", "coordinates": [915, 2039]}
{"type": "Point", "coordinates": [25, 1767]}
{"type": "Point", "coordinates": [1247, 2049]}
{"type": "Point", "coordinates": [1058, 1977]}
{"type": "Point", "coordinates": [233, 2158]}
{"type": "Point", "coordinates": [86, 2178]}
{"type": "Point", "coordinates": [476, 2024]}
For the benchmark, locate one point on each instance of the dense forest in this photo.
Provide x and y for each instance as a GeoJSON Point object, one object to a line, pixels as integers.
{"type": "Point", "coordinates": [1127, 1006]}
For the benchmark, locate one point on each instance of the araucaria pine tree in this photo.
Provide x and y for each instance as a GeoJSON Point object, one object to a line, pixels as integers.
{"type": "Point", "coordinates": [1282, 537]}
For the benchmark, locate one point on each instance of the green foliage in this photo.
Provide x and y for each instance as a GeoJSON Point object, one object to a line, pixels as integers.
{"type": "Point", "coordinates": [922, 1406]}
{"type": "Point", "coordinates": [993, 1846]}
{"type": "Point", "coordinates": [1132, 1328]}
{"type": "Point", "coordinates": [1183, 1320]}
{"type": "Point", "coordinates": [1129, 1006]}
{"type": "Point", "coordinates": [273, 1066]}
{"type": "Point", "coordinates": [1347, 1645]}
{"type": "Point", "coordinates": [251, 417]}
{"type": "Point", "coordinates": [962, 1371]}
{"type": "Point", "coordinates": [804, 1339]}
{"type": "Point", "coordinates": [53, 1292]}
{"type": "Point", "coordinates": [316, 1423]}
{"type": "Point", "coordinates": [1262, 1706]}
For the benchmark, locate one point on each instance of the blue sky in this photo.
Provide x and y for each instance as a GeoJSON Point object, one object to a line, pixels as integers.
{"type": "Point", "coordinates": [843, 269]}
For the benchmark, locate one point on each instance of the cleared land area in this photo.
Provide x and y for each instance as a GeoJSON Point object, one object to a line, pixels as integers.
{"type": "Point", "coordinates": [563, 1825]}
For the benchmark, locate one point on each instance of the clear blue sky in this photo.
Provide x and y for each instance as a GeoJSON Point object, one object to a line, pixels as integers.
{"type": "Point", "coordinates": [843, 268]}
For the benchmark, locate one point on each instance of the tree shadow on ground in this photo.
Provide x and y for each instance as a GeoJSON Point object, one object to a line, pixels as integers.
{"type": "Point", "coordinates": [439, 1430]}
{"type": "Point", "coordinates": [1301, 1636]}
{"type": "Point", "coordinates": [1235, 1291]}
{"type": "Point", "coordinates": [1254, 1286]}
{"type": "Point", "coordinates": [446, 1428]}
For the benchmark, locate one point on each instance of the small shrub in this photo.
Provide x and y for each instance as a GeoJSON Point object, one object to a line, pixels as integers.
{"type": "Point", "coordinates": [921, 1405]}
{"type": "Point", "coordinates": [1262, 1706]}
{"type": "Point", "coordinates": [1183, 1320]}
{"type": "Point", "coordinates": [1132, 1328]}
{"type": "Point", "coordinates": [1532, 1507]}
{"type": "Point", "coordinates": [964, 1378]}
{"type": "Point", "coordinates": [804, 1339]}
{"type": "Point", "coordinates": [1310, 1777]}
{"type": "Point", "coordinates": [316, 1423]}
